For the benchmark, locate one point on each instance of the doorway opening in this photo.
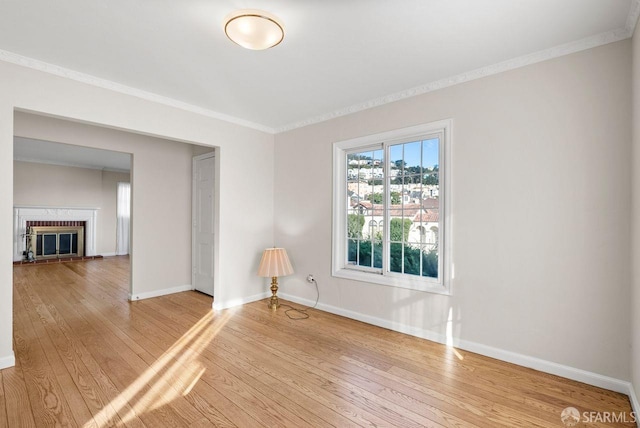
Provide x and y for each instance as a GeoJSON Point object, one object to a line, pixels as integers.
{"type": "Point", "coordinates": [65, 205]}
{"type": "Point", "coordinates": [159, 172]}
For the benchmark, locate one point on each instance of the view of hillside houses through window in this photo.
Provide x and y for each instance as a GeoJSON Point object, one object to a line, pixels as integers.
{"type": "Point", "coordinates": [393, 208]}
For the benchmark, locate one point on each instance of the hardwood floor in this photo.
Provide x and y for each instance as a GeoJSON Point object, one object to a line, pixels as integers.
{"type": "Point", "coordinates": [87, 357]}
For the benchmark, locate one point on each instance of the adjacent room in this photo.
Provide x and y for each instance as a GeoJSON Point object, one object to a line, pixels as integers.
{"type": "Point", "coordinates": [60, 190]}
{"type": "Point", "coordinates": [320, 213]}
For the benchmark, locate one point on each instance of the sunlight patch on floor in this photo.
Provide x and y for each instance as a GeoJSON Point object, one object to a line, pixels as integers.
{"type": "Point", "coordinates": [449, 335]}
{"type": "Point", "coordinates": [174, 374]}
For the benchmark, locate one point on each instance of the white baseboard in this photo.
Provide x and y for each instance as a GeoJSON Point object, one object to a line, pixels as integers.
{"type": "Point", "coordinates": [635, 405]}
{"type": "Point", "coordinates": [158, 293]}
{"type": "Point", "coordinates": [108, 254]}
{"type": "Point", "coordinates": [8, 361]}
{"type": "Point", "coordinates": [550, 367]}
{"type": "Point", "coordinates": [219, 305]}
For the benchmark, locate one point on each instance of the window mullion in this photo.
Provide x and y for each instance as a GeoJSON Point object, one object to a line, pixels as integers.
{"type": "Point", "coordinates": [421, 247]}
{"type": "Point", "coordinates": [442, 195]}
{"type": "Point", "coordinates": [385, 210]}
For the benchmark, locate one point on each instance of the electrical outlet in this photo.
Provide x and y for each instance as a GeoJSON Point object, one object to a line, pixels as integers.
{"type": "Point", "coordinates": [310, 278]}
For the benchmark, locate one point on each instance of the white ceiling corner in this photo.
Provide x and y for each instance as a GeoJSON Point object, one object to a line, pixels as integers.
{"type": "Point", "coordinates": [555, 52]}
{"type": "Point", "coordinates": [632, 19]}
{"type": "Point", "coordinates": [52, 153]}
{"type": "Point", "coordinates": [127, 90]}
{"type": "Point", "coordinates": [337, 57]}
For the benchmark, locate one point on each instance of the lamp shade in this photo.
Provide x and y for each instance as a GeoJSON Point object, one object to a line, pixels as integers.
{"type": "Point", "coordinates": [275, 262]}
{"type": "Point", "coordinates": [254, 29]}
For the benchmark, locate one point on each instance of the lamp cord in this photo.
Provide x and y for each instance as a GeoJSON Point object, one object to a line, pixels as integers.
{"type": "Point", "coordinates": [302, 313]}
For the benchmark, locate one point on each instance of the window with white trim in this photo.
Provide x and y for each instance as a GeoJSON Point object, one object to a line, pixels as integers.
{"type": "Point", "coordinates": [390, 219]}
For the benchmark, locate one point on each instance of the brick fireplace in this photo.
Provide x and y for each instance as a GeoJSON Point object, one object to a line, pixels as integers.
{"type": "Point", "coordinates": [64, 232]}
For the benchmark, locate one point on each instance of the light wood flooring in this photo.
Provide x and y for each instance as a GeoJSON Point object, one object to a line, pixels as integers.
{"type": "Point", "coordinates": [87, 357]}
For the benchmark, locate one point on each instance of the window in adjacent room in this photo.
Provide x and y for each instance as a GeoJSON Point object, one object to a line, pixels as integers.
{"type": "Point", "coordinates": [391, 194]}
{"type": "Point", "coordinates": [123, 218]}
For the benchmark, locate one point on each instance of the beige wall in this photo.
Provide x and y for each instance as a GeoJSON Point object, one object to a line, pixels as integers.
{"type": "Point", "coordinates": [37, 184]}
{"type": "Point", "coordinates": [541, 213]}
{"type": "Point", "coordinates": [157, 195]}
{"type": "Point", "coordinates": [201, 150]}
{"type": "Point", "coordinates": [635, 254]}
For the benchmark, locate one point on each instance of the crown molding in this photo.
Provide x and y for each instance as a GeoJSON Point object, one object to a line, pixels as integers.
{"type": "Point", "coordinates": [522, 61]}
{"type": "Point", "coordinates": [632, 18]}
{"type": "Point", "coordinates": [38, 65]}
{"type": "Point", "coordinates": [69, 164]}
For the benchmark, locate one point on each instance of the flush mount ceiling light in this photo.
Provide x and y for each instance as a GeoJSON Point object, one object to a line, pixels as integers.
{"type": "Point", "coordinates": [254, 29]}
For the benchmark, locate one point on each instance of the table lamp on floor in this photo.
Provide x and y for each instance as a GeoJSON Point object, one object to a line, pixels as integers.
{"type": "Point", "coordinates": [274, 263]}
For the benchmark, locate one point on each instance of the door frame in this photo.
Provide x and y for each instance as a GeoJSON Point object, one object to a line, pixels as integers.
{"type": "Point", "coordinates": [215, 153]}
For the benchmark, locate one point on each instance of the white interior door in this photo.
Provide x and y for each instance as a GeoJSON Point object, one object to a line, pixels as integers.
{"type": "Point", "coordinates": [203, 222]}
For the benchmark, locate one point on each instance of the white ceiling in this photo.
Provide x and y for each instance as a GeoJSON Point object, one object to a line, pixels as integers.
{"type": "Point", "coordinates": [338, 56]}
{"type": "Point", "coordinates": [28, 150]}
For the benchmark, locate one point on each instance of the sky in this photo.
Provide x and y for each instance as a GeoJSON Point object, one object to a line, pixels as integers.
{"type": "Point", "coordinates": [412, 153]}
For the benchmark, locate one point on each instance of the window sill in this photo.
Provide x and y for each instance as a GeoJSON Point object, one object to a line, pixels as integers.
{"type": "Point", "coordinates": [416, 284]}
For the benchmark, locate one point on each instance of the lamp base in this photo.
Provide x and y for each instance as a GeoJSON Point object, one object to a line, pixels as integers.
{"type": "Point", "coordinates": [273, 301]}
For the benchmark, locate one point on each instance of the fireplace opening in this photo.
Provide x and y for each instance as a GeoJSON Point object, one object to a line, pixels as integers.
{"type": "Point", "coordinates": [55, 241]}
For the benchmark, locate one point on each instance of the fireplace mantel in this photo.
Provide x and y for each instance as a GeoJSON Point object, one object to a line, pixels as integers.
{"type": "Point", "coordinates": [22, 214]}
